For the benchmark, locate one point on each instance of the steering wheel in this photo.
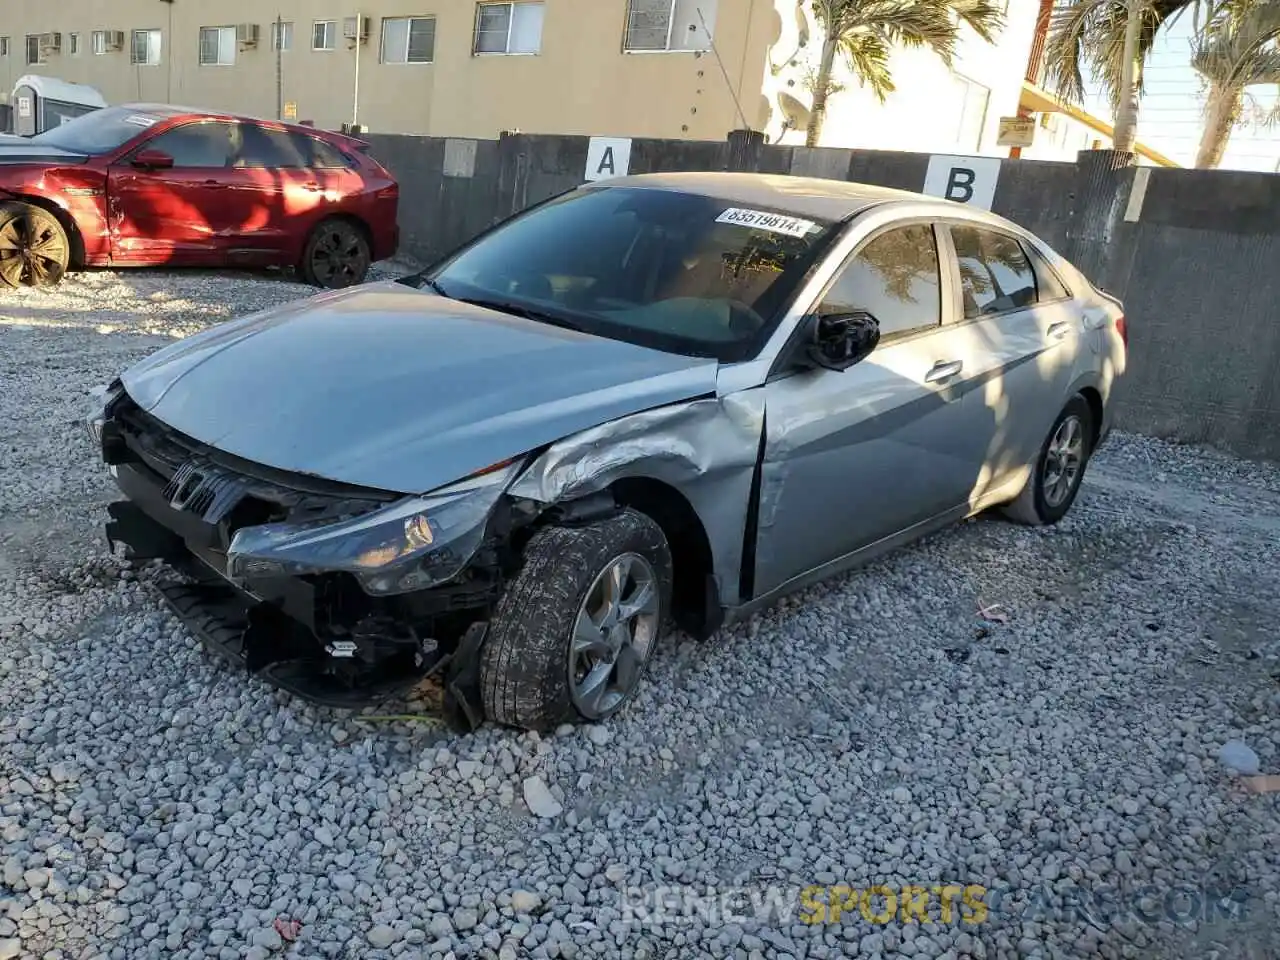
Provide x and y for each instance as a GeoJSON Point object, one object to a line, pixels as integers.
{"type": "Point", "coordinates": [743, 319]}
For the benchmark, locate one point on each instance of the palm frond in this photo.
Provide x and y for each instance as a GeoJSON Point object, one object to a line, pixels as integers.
{"type": "Point", "coordinates": [1240, 51]}
{"type": "Point", "coordinates": [1072, 45]}
{"type": "Point", "coordinates": [865, 32]}
{"type": "Point", "coordinates": [1088, 35]}
{"type": "Point", "coordinates": [868, 57]}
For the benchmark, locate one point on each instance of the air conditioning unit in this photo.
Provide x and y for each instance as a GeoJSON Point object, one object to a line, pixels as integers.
{"type": "Point", "coordinates": [356, 28]}
{"type": "Point", "coordinates": [247, 34]}
{"type": "Point", "coordinates": [50, 43]}
{"type": "Point", "coordinates": [115, 40]}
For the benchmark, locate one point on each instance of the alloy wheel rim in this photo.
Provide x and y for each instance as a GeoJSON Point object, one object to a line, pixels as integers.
{"type": "Point", "coordinates": [31, 253]}
{"type": "Point", "coordinates": [336, 256]}
{"type": "Point", "coordinates": [1063, 461]}
{"type": "Point", "coordinates": [613, 635]}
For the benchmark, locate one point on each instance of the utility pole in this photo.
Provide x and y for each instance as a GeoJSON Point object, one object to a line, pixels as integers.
{"type": "Point", "coordinates": [279, 38]}
{"type": "Point", "coordinates": [355, 94]}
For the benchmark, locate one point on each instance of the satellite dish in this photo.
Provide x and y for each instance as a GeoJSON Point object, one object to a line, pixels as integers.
{"type": "Point", "coordinates": [794, 112]}
{"type": "Point", "coordinates": [802, 24]}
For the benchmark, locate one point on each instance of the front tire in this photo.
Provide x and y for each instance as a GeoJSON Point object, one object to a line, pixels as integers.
{"type": "Point", "coordinates": [336, 255]}
{"type": "Point", "coordinates": [34, 247]}
{"type": "Point", "coordinates": [1055, 479]}
{"type": "Point", "coordinates": [575, 629]}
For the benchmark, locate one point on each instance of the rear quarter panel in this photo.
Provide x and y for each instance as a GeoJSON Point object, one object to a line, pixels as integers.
{"type": "Point", "coordinates": [79, 191]}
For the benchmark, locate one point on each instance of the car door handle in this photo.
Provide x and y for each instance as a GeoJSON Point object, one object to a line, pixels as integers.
{"type": "Point", "coordinates": [313, 187]}
{"type": "Point", "coordinates": [943, 370]}
{"type": "Point", "coordinates": [214, 185]}
{"type": "Point", "coordinates": [1059, 330]}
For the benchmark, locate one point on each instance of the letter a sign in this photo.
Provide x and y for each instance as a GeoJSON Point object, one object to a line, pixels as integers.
{"type": "Point", "coordinates": [970, 180]}
{"type": "Point", "coordinates": [608, 157]}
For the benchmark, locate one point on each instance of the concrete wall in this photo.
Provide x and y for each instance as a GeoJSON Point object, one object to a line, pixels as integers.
{"type": "Point", "coordinates": [1194, 254]}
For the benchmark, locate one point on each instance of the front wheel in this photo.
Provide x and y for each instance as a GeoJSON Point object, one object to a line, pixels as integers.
{"type": "Point", "coordinates": [34, 248]}
{"type": "Point", "coordinates": [1055, 478]}
{"type": "Point", "coordinates": [573, 633]}
{"type": "Point", "coordinates": [336, 255]}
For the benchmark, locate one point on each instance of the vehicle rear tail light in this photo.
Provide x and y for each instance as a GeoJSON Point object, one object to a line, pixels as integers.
{"type": "Point", "coordinates": [1122, 328]}
{"type": "Point", "coordinates": [389, 193]}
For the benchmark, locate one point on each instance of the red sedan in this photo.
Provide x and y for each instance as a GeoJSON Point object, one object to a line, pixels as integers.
{"type": "Point", "coordinates": [145, 184]}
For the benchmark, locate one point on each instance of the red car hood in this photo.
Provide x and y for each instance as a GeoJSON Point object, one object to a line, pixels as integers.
{"type": "Point", "coordinates": [15, 149]}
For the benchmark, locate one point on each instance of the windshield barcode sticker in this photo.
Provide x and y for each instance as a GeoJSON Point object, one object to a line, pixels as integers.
{"type": "Point", "coordinates": [772, 222]}
{"type": "Point", "coordinates": [140, 121]}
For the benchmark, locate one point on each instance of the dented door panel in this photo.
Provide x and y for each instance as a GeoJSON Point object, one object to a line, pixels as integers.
{"type": "Point", "coordinates": [853, 457]}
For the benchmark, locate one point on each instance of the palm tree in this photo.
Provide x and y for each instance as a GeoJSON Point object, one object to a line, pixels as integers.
{"type": "Point", "coordinates": [865, 31]}
{"type": "Point", "coordinates": [1238, 50]}
{"type": "Point", "coordinates": [1112, 39]}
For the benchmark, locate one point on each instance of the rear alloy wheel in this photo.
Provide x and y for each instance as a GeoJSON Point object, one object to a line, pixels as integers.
{"type": "Point", "coordinates": [1056, 476]}
{"type": "Point", "coordinates": [575, 629]}
{"type": "Point", "coordinates": [34, 248]}
{"type": "Point", "coordinates": [336, 255]}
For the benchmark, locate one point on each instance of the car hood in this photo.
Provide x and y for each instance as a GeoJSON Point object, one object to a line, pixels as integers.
{"type": "Point", "coordinates": [390, 387]}
{"type": "Point", "coordinates": [15, 149]}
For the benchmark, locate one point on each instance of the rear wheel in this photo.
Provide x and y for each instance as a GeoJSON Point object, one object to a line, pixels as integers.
{"type": "Point", "coordinates": [34, 248]}
{"type": "Point", "coordinates": [574, 631]}
{"type": "Point", "coordinates": [1055, 479]}
{"type": "Point", "coordinates": [336, 255]}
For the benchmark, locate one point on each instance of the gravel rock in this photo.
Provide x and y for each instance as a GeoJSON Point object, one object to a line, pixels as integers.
{"type": "Point", "coordinates": [871, 729]}
{"type": "Point", "coordinates": [525, 901]}
{"type": "Point", "coordinates": [1239, 757]}
{"type": "Point", "coordinates": [382, 936]}
{"type": "Point", "coordinates": [540, 800]}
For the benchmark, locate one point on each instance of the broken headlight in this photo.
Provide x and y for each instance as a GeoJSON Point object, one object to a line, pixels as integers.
{"type": "Point", "coordinates": [411, 544]}
{"type": "Point", "coordinates": [104, 397]}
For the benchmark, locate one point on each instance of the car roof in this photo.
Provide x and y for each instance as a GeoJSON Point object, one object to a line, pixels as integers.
{"type": "Point", "coordinates": [170, 111]}
{"type": "Point", "coordinates": [810, 196]}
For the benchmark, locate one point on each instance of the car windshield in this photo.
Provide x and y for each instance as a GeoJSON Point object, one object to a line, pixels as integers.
{"type": "Point", "coordinates": [680, 272]}
{"type": "Point", "coordinates": [98, 132]}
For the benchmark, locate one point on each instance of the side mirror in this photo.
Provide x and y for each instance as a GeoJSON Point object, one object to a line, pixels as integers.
{"type": "Point", "coordinates": [152, 160]}
{"type": "Point", "coordinates": [839, 340]}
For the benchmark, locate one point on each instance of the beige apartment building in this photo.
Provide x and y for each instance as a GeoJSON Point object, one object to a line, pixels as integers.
{"type": "Point", "coordinates": [685, 69]}
{"type": "Point", "coordinates": [438, 67]}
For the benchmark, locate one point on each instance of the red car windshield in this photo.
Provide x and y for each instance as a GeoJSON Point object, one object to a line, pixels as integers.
{"type": "Point", "coordinates": [101, 131]}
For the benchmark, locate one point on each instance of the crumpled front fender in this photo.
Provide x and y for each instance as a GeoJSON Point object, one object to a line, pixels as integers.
{"type": "Point", "coordinates": [707, 449]}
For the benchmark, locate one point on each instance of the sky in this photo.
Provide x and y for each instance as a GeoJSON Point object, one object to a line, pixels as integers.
{"type": "Point", "coordinates": [1172, 112]}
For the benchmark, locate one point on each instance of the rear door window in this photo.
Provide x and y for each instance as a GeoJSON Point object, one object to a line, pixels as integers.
{"type": "Point", "coordinates": [895, 278]}
{"type": "Point", "coordinates": [995, 274]}
{"type": "Point", "coordinates": [261, 147]}
{"type": "Point", "coordinates": [321, 155]}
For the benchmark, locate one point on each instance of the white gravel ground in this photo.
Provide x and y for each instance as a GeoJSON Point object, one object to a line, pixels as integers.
{"type": "Point", "coordinates": [873, 730]}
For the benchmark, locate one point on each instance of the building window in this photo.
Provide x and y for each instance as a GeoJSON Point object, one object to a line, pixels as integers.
{"type": "Point", "coordinates": [146, 48]}
{"type": "Point", "coordinates": [971, 112]}
{"type": "Point", "coordinates": [217, 46]}
{"type": "Point", "coordinates": [654, 25]}
{"type": "Point", "coordinates": [34, 53]}
{"type": "Point", "coordinates": [73, 44]}
{"type": "Point", "coordinates": [508, 27]}
{"type": "Point", "coordinates": [4, 46]}
{"type": "Point", "coordinates": [324, 35]}
{"type": "Point", "coordinates": [282, 35]}
{"type": "Point", "coordinates": [408, 39]}
{"type": "Point", "coordinates": [98, 42]}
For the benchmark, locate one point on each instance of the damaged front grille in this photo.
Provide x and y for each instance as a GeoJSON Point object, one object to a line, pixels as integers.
{"type": "Point", "coordinates": [223, 490]}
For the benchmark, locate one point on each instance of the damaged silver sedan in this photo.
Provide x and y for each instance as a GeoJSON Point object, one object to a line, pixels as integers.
{"type": "Point", "coordinates": [659, 400]}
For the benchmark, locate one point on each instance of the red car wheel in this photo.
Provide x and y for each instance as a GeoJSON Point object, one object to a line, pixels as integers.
{"type": "Point", "coordinates": [34, 249]}
{"type": "Point", "coordinates": [336, 255]}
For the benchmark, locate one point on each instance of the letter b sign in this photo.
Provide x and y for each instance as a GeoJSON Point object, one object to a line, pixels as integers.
{"type": "Point", "coordinates": [970, 180]}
